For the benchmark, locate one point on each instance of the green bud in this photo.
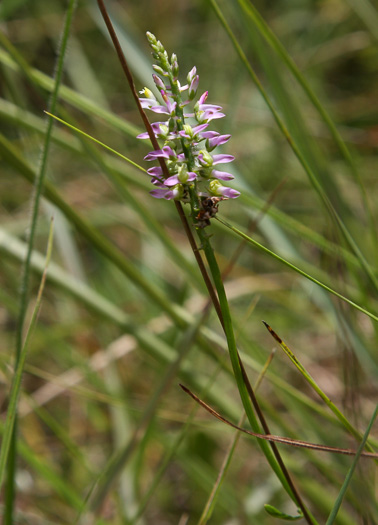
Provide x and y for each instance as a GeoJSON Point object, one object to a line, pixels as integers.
{"type": "Point", "coordinates": [164, 129]}
{"type": "Point", "coordinates": [151, 38]}
{"type": "Point", "coordinates": [214, 186]}
{"type": "Point", "coordinates": [182, 173]}
{"type": "Point", "coordinates": [207, 158]}
{"type": "Point", "coordinates": [159, 70]}
{"type": "Point", "coordinates": [188, 130]}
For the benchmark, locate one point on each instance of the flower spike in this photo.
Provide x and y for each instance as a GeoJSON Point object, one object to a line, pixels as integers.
{"type": "Point", "coordinates": [187, 143]}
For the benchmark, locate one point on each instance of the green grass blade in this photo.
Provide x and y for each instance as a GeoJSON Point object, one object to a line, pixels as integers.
{"type": "Point", "coordinates": [296, 269]}
{"type": "Point", "coordinates": [332, 517]}
{"type": "Point", "coordinates": [147, 216]}
{"type": "Point", "coordinates": [12, 452]}
{"type": "Point", "coordinates": [16, 382]}
{"type": "Point", "coordinates": [296, 149]}
{"type": "Point", "coordinates": [102, 244]}
{"type": "Point", "coordinates": [72, 97]}
{"type": "Point", "coordinates": [367, 13]}
{"type": "Point", "coordinates": [250, 10]}
{"type": "Point", "coordinates": [87, 136]}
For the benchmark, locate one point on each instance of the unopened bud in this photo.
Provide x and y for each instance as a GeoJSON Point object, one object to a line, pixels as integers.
{"type": "Point", "coordinates": [191, 74]}
{"type": "Point", "coordinates": [188, 130]}
{"type": "Point", "coordinates": [159, 70]}
{"type": "Point", "coordinates": [158, 81]}
{"type": "Point", "coordinates": [193, 87]}
{"type": "Point", "coordinates": [205, 158]}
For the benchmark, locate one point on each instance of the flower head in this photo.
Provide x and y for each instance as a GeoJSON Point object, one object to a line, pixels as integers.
{"type": "Point", "coordinates": [188, 144]}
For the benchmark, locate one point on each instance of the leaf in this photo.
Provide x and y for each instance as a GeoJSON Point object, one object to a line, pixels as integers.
{"type": "Point", "coordinates": [272, 511]}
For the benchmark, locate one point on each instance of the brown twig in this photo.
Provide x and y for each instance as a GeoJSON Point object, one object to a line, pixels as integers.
{"type": "Point", "coordinates": [278, 439]}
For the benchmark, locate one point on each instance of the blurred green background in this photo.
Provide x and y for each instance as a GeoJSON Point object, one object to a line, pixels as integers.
{"type": "Point", "coordinates": [102, 418]}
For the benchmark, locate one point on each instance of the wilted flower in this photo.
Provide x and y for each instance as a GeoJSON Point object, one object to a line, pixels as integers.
{"type": "Point", "coordinates": [188, 144]}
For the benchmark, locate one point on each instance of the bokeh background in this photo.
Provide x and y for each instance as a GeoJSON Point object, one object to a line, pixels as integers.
{"type": "Point", "coordinates": [105, 433]}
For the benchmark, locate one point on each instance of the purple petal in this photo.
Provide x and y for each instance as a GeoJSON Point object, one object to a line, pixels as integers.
{"type": "Point", "coordinates": [230, 193]}
{"type": "Point", "coordinates": [222, 175]}
{"type": "Point", "coordinates": [192, 73]}
{"type": "Point", "coordinates": [222, 158]}
{"type": "Point", "coordinates": [211, 115]}
{"type": "Point", "coordinates": [217, 141]}
{"type": "Point", "coordinates": [191, 176]}
{"type": "Point", "coordinates": [148, 102]}
{"type": "Point", "coordinates": [209, 134]}
{"type": "Point", "coordinates": [144, 135]}
{"type": "Point", "coordinates": [196, 130]}
{"type": "Point", "coordinates": [202, 161]}
{"type": "Point", "coordinates": [157, 182]}
{"type": "Point", "coordinates": [172, 181]}
{"type": "Point", "coordinates": [158, 81]}
{"type": "Point", "coordinates": [171, 106]}
{"type": "Point", "coordinates": [166, 153]}
{"type": "Point", "coordinates": [170, 195]}
{"type": "Point", "coordinates": [193, 87]}
{"type": "Point", "coordinates": [200, 127]}
{"type": "Point", "coordinates": [159, 194]}
{"type": "Point", "coordinates": [156, 171]}
{"type": "Point", "coordinates": [159, 109]}
{"type": "Point", "coordinates": [203, 98]}
{"type": "Point", "coordinates": [155, 128]}
{"type": "Point", "coordinates": [165, 194]}
{"type": "Point", "coordinates": [209, 107]}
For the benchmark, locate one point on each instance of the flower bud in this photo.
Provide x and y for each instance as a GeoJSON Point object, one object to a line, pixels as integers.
{"type": "Point", "coordinates": [193, 87]}
{"type": "Point", "coordinates": [188, 131]}
{"type": "Point", "coordinates": [163, 129]}
{"type": "Point", "coordinates": [175, 70]}
{"type": "Point", "coordinates": [159, 70]}
{"type": "Point", "coordinates": [191, 74]}
{"type": "Point", "coordinates": [151, 38]}
{"type": "Point", "coordinates": [171, 124]}
{"type": "Point", "coordinates": [205, 158]}
{"type": "Point", "coordinates": [182, 173]}
{"type": "Point", "coordinates": [175, 66]}
{"type": "Point", "coordinates": [177, 192]}
{"type": "Point", "coordinates": [217, 189]}
{"type": "Point", "coordinates": [158, 82]}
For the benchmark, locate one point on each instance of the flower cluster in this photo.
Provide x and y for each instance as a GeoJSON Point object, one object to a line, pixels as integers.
{"type": "Point", "coordinates": [188, 145]}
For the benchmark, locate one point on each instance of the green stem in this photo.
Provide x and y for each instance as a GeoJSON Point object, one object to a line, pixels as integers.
{"type": "Point", "coordinates": [234, 356]}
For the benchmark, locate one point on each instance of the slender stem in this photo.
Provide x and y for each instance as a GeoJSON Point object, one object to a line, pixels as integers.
{"type": "Point", "coordinates": [245, 389]}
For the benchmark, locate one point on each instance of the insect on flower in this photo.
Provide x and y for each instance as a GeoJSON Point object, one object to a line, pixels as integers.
{"type": "Point", "coordinates": [208, 211]}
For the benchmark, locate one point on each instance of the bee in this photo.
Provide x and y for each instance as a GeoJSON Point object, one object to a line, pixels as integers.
{"type": "Point", "coordinates": [209, 208]}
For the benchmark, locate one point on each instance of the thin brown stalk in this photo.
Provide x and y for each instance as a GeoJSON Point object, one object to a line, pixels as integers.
{"type": "Point", "coordinates": [279, 439]}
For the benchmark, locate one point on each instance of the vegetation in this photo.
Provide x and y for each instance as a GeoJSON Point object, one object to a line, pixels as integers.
{"type": "Point", "coordinates": [105, 312]}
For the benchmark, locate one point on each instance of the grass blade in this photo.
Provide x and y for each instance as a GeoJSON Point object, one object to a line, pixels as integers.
{"type": "Point", "coordinates": [298, 270]}
{"type": "Point", "coordinates": [16, 382]}
{"type": "Point", "coordinates": [340, 497]}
